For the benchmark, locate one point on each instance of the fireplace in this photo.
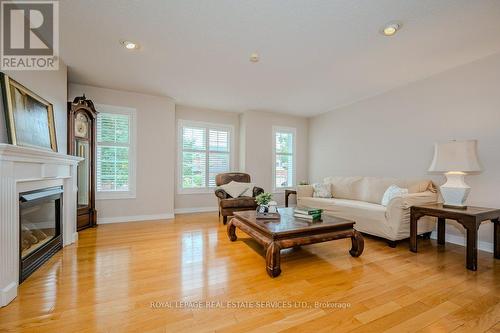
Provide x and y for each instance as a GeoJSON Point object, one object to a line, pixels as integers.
{"type": "Point", "coordinates": [40, 228]}
{"type": "Point", "coordinates": [22, 171]}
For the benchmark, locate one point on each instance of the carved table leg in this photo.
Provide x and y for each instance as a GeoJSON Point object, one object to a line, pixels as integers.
{"type": "Point", "coordinates": [496, 238]}
{"type": "Point", "coordinates": [358, 244]}
{"type": "Point", "coordinates": [472, 248]}
{"type": "Point", "coordinates": [441, 230]}
{"type": "Point", "coordinates": [273, 259]}
{"type": "Point", "coordinates": [231, 231]}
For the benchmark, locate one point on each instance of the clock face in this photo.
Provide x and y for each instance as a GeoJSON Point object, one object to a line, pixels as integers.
{"type": "Point", "coordinates": [81, 125]}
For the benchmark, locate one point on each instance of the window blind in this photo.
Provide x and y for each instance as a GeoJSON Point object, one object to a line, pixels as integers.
{"type": "Point", "coordinates": [113, 152]}
{"type": "Point", "coordinates": [205, 153]}
{"type": "Point", "coordinates": [284, 159]}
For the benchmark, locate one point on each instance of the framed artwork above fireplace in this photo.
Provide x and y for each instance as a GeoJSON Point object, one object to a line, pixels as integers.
{"type": "Point", "coordinates": [29, 117]}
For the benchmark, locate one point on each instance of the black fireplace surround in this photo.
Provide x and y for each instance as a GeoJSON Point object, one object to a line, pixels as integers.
{"type": "Point", "coordinates": [39, 228]}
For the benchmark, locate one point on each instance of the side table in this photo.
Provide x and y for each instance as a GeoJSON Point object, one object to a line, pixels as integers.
{"type": "Point", "coordinates": [470, 218]}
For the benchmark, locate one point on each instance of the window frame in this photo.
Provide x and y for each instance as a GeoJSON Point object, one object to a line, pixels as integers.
{"type": "Point", "coordinates": [293, 131]}
{"type": "Point", "coordinates": [132, 145]}
{"type": "Point", "coordinates": [181, 123]}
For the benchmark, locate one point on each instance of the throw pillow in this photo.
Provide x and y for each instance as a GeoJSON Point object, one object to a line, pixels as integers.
{"type": "Point", "coordinates": [249, 191]}
{"type": "Point", "coordinates": [235, 189]}
{"type": "Point", "coordinates": [392, 192]}
{"type": "Point", "coordinates": [322, 190]}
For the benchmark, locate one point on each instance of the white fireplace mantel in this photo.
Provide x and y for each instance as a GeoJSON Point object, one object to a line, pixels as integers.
{"type": "Point", "coordinates": [24, 169]}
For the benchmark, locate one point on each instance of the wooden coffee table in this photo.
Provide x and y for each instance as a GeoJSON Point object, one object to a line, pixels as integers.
{"type": "Point", "coordinates": [289, 231]}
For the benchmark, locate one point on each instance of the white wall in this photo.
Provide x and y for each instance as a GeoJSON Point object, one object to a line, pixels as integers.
{"type": "Point", "coordinates": [155, 154]}
{"type": "Point", "coordinates": [187, 202]}
{"type": "Point", "coordinates": [52, 86]}
{"type": "Point", "coordinates": [257, 138]}
{"type": "Point", "coordinates": [393, 134]}
{"type": "Point", "coordinates": [252, 149]}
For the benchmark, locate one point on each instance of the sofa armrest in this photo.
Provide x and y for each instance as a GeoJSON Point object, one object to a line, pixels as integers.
{"type": "Point", "coordinates": [257, 191]}
{"type": "Point", "coordinates": [412, 199]}
{"type": "Point", "coordinates": [221, 194]}
{"type": "Point", "coordinates": [398, 209]}
{"type": "Point", "coordinates": [305, 191]}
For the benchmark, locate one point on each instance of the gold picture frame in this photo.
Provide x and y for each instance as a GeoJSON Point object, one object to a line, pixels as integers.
{"type": "Point", "coordinates": [29, 117]}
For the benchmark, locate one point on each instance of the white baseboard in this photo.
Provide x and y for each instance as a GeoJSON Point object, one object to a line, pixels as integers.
{"type": "Point", "coordinates": [460, 240]}
{"type": "Point", "coordinates": [8, 293]}
{"type": "Point", "coordinates": [135, 218]}
{"type": "Point", "coordinates": [74, 239]}
{"type": "Point", "coordinates": [195, 210]}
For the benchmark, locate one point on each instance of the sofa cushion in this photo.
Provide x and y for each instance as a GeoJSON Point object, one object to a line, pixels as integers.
{"type": "Point", "coordinates": [370, 218]}
{"type": "Point", "coordinates": [345, 187]}
{"type": "Point", "coordinates": [305, 191]}
{"type": "Point", "coordinates": [372, 189]}
{"type": "Point", "coordinates": [346, 208]}
{"type": "Point", "coordinates": [238, 202]}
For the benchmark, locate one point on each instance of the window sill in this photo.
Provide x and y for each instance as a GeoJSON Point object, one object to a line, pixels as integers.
{"type": "Point", "coordinates": [115, 195]}
{"type": "Point", "coordinates": [197, 191]}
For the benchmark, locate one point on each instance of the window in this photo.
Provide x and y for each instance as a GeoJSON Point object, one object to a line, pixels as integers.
{"type": "Point", "coordinates": [115, 163]}
{"type": "Point", "coordinates": [204, 151]}
{"type": "Point", "coordinates": [283, 157]}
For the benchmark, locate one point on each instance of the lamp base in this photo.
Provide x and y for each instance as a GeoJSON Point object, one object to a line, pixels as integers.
{"type": "Point", "coordinates": [455, 191]}
{"type": "Point", "coordinates": [454, 207]}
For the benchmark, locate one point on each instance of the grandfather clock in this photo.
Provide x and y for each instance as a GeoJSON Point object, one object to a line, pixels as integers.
{"type": "Point", "coordinates": [82, 126]}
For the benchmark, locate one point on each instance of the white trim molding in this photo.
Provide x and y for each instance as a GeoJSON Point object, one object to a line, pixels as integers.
{"type": "Point", "coordinates": [25, 169]}
{"type": "Point", "coordinates": [134, 218]}
{"type": "Point", "coordinates": [460, 240]}
{"type": "Point", "coordinates": [195, 210]}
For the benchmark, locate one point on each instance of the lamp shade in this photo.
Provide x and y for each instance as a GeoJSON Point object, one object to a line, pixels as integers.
{"type": "Point", "coordinates": [455, 156]}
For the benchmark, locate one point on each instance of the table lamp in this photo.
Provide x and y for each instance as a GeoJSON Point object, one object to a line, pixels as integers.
{"type": "Point", "coordinates": [455, 159]}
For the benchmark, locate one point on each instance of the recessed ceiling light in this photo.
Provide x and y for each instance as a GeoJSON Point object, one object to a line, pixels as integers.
{"type": "Point", "coordinates": [254, 57]}
{"type": "Point", "coordinates": [390, 28]}
{"type": "Point", "coordinates": [129, 45]}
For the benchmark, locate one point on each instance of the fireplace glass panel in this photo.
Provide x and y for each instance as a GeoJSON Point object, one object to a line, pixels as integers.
{"type": "Point", "coordinates": [39, 228]}
{"type": "Point", "coordinates": [39, 223]}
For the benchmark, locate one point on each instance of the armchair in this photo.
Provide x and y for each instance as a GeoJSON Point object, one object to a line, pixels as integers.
{"type": "Point", "coordinates": [227, 204]}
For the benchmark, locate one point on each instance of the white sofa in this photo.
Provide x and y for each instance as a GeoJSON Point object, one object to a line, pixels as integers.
{"type": "Point", "coordinates": [359, 199]}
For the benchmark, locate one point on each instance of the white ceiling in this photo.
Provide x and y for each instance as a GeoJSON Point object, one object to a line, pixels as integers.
{"type": "Point", "coordinates": [316, 55]}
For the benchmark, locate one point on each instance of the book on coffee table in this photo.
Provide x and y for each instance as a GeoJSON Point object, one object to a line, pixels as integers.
{"type": "Point", "coordinates": [311, 215]}
{"type": "Point", "coordinates": [308, 211]}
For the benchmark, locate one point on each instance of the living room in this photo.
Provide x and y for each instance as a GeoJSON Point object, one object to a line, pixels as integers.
{"type": "Point", "coordinates": [250, 166]}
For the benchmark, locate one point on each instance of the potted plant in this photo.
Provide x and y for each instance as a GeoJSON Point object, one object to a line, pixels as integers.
{"type": "Point", "coordinates": [263, 200]}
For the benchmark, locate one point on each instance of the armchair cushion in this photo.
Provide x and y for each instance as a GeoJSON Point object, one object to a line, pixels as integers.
{"type": "Point", "coordinates": [241, 202]}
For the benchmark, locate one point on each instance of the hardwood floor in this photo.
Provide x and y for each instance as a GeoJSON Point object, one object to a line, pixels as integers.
{"type": "Point", "coordinates": [129, 276]}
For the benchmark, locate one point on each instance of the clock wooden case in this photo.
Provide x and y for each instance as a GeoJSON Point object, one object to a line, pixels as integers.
{"type": "Point", "coordinates": [82, 128]}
